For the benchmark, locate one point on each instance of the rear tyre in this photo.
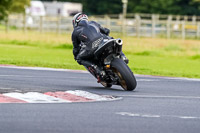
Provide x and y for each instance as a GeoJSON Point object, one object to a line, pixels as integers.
{"type": "Point", "coordinates": [127, 78]}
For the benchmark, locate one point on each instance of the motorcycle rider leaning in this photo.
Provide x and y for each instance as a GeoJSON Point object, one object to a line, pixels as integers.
{"type": "Point", "coordinates": [86, 37]}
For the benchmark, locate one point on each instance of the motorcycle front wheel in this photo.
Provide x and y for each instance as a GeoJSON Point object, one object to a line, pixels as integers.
{"type": "Point", "coordinates": [126, 77]}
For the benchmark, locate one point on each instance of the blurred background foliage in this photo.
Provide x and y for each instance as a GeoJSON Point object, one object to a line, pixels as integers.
{"type": "Point", "coordinates": [101, 7]}
{"type": "Point", "coordinates": [12, 6]}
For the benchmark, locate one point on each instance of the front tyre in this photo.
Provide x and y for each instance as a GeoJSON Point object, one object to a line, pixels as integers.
{"type": "Point", "coordinates": [126, 77]}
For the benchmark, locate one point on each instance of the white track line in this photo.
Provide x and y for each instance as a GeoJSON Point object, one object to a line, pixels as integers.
{"type": "Point", "coordinates": [25, 76]}
{"type": "Point", "coordinates": [43, 69]}
{"type": "Point", "coordinates": [148, 80]}
{"type": "Point", "coordinates": [155, 116]}
{"type": "Point", "coordinates": [160, 96]}
{"type": "Point", "coordinates": [82, 71]}
{"type": "Point", "coordinates": [163, 77]}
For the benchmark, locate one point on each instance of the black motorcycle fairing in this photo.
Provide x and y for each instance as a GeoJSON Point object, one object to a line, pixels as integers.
{"type": "Point", "coordinates": [103, 46]}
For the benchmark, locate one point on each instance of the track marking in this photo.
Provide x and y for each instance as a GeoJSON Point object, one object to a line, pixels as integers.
{"type": "Point", "coordinates": [35, 97]}
{"type": "Point", "coordinates": [171, 78]}
{"type": "Point", "coordinates": [83, 71]}
{"type": "Point", "coordinates": [155, 116]}
{"type": "Point", "coordinates": [148, 80]}
{"type": "Point", "coordinates": [157, 96]}
{"type": "Point", "coordinates": [68, 96]}
{"type": "Point", "coordinates": [90, 95]}
{"type": "Point", "coordinates": [5, 99]}
{"type": "Point", "coordinates": [54, 97]}
{"type": "Point", "coordinates": [25, 76]}
{"type": "Point", "coordinates": [42, 68]}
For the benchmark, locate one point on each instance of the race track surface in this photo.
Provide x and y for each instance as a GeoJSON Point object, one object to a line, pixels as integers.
{"type": "Point", "coordinates": [158, 105]}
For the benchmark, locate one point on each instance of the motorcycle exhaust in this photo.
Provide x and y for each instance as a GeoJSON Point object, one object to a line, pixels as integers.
{"type": "Point", "coordinates": [119, 43]}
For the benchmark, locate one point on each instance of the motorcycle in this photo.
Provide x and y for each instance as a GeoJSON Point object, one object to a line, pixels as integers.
{"type": "Point", "coordinates": [115, 71]}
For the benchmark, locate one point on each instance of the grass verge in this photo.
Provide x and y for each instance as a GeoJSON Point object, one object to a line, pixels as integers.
{"type": "Point", "coordinates": [161, 57]}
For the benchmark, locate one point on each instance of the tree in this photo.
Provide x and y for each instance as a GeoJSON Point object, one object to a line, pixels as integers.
{"type": "Point", "coordinates": [153, 6]}
{"type": "Point", "coordinates": [12, 6]}
{"type": "Point", "coordinates": [4, 4]}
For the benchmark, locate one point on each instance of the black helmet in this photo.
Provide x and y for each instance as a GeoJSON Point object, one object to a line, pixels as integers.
{"type": "Point", "coordinates": [78, 17]}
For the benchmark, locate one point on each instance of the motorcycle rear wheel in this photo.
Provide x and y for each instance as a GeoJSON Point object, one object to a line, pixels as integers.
{"type": "Point", "coordinates": [126, 76]}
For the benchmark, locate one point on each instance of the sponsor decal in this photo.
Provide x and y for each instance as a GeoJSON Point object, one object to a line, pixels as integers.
{"type": "Point", "coordinates": [97, 42]}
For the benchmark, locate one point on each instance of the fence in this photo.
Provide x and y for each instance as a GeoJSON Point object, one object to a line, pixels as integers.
{"type": "Point", "coordinates": [148, 25]}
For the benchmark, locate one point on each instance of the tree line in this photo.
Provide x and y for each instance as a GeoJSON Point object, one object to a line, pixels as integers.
{"type": "Point", "coordinates": [101, 7]}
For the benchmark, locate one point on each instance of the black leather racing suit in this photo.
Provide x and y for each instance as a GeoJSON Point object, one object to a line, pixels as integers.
{"type": "Point", "coordinates": [83, 38]}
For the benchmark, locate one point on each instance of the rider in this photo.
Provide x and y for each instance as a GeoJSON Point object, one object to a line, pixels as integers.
{"type": "Point", "coordinates": [86, 37]}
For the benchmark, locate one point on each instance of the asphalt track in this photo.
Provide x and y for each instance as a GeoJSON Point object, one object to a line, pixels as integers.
{"type": "Point", "coordinates": [158, 105]}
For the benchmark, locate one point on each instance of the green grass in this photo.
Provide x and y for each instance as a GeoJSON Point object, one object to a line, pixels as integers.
{"type": "Point", "coordinates": [36, 56]}
{"type": "Point", "coordinates": [165, 66]}
{"type": "Point", "coordinates": [2, 27]}
{"type": "Point", "coordinates": [161, 57]}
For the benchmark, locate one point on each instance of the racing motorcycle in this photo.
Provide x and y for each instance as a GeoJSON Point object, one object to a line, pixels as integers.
{"type": "Point", "coordinates": [115, 71]}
